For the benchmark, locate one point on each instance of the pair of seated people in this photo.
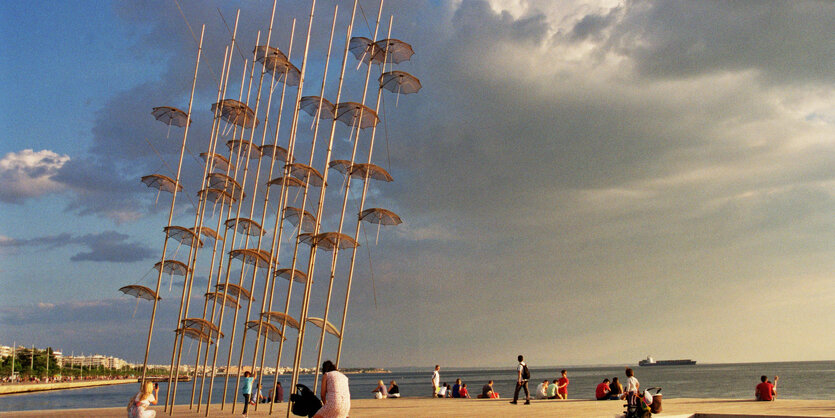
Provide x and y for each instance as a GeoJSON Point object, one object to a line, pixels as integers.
{"type": "Point", "coordinates": [605, 392]}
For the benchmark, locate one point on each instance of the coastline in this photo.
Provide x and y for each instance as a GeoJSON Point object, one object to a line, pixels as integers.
{"type": "Point", "coordinates": [17, 388]}
{"type": "Point", "coordinates": [427, 407]}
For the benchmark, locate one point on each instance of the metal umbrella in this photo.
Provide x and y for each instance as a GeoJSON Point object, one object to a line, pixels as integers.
{"type": "Point", "coordinates": [245, 226]}
{"type": "Point", "coordinates": [281, 318]}
{"type": "Point", "coordinates": [370, 171]}
{"type": "Point", "coordinates": [267, 329]}
{"type": "Point", "coordinates": [399, 82]}
{"type": "Point", "coordinates": [240, 146]}
{"type": "Point", "coordinates": [161, 183]}
{"type": "Point", "coordinates": [380, 217]}
{"type": "Point", "coordinates": [219, 162]}
{"type": "Point", "coordinates": [139, 292]}
{"type": "Point", "coordinates": [356, 114]}
{"type": "Point", "coordinates": [306, 173]}
{"type": "Point", "coordinates": [183, 235]}
{"type": "Point", "coordinates": [171, 116]}
{"type": "Point", "coordinates": [298, 275]}
{"type": "Point", "coordinates": [328, 326]}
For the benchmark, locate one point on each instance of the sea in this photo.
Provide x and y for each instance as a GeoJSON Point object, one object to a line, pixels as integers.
{"type": "Point", "coordinates": [798, 380]}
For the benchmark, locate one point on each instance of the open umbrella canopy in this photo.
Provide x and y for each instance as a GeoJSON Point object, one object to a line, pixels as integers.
{"type": "Point", "coordinates": [172, 267]}
{"type": "Point", "coordinates": [171, 116]}
{"type": "Point", "coordinates": [139, 291]}
{"type": "Point", "coordinates": [371, 171]}
{"type": "Point", "coordinates": [328, 326]}
{"type": "Point", "coordinates": [208, 232]}
{"type": "Point", "coordinates": [203, 326]}
{"type": "Point", "coordinates": [294, 214]}
{"type": "Point", "coordinates": [228, 300]}
{"type": "Point", "coordinates": [380, 216]}
{"type": "Point", "coordinates": [280, 318]}
{"type": "Point", "coordinates": [290, 182]}
{"type": "Point", "coordinates": [306, 173]}
{"type": "Point", "coordinates": [264, 51]}
{"type": "Point", "coordinates": [225, 183]}
{"type": "Point", "coordinates": [257, 258]}
{"type": "Point", "coordinates": [329, 240]}
{"type": "Point", "coordinates": [360, 46]}
{"type": "Point", "coordinates": [393, 51]}
{"type": "Point", "coordinates": [162, 183]}
{"type": "Point", "coordinates": [195, 334]}
{"type": "Point", "coordinates": [216, 195]}
{"type": "Point", "coordinates": [297, 275]}
{"type": "Point", "coordinates": [268, 151]}
{"type": "Point", "coordinates": [356, 114]}
{"type": "Point", "coordinates": [236, 113]}
{"type": "Point", "coordinates": [314, 105]}
{"type": "Point", "coordinates": [282, 70]}
{"type": "Point", "coordinates": [266, 329]}
{"type": "Point", "coordinates": [244, 148]}
{"type": "Point", "coordinates": [219, 162]}
{"type": "Point", "coordinates": [400, 82]}
{"type": "Point", "coordinates": [183, 235]}
{"type": "Point", "coordinates": [245, 226]}
{"type": "Point", "coordinates": [342, 166]}
{"type": "Point", "coordinates": [234, 290]}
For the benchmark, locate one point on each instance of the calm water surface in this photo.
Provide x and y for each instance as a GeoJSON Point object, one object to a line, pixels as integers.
{"type": "Point", "coordinates": [798, 380]}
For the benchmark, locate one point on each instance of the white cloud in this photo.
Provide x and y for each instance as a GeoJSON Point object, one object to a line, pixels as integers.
{"type": "Point", "coordinates": [27, 174]}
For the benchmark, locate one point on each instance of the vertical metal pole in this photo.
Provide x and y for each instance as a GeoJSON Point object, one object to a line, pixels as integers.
{"type": "Point", "coordinates": [335, 255]}
{"type": "Point", "coordinates": [359, 222]}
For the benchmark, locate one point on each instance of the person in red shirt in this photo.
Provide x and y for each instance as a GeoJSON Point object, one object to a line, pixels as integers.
{"type": "Point", "coordinates": [602, 392]}
{"type": "Point", "coordinates": [562, 386]}
{"type": "Point", "coordinates": [463, 392]}
{"type": "Point", "coordinates": [765, 391]}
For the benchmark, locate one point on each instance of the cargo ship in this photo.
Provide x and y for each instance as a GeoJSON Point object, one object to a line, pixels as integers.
{"type": "Point", "coordinates": [653, 362]}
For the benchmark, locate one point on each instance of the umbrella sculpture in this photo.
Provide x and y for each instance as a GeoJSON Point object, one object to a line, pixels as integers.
{"type": "Point", "coordinates": [317, 106]}
{"type": "Point", "coordinates": [139, 292]}
{"type": "Point", "coordinates": [245, 226]}
{"type": "Point", "coordinates": [329, 240]}
{"type": "Point", "coordinates": [371, 171]}
{"type": "Point", "coordinates": [307, 173]}
{"type": "Point", "coordinates": [225, 183]}
{"type": "Point", "coordinates": [399, 82]}
{"type": "Point", "coordinates": [171, 116]}
{"type": "Point", "coordinates": [297, 275]}
{"type": "Point", "coordinates": [268, 150]}
{"type": "Point", "coordinates": [354, 114]}
{"type": "Point", "coordinates": [282, 70]}
{"type": "Point", "coordinates": [380, 217]}
{"type": "Point", "coordinates": [184, 236]}
{"type": "Point", "coordinates": [172, 267]}
{"type": "Point", "coordinates": [194, 334]}
{"type": "Point", "coordinates": [228, 300]}
{"type": "Point", "coordinates": [270, 52]}
{"type": "Point", "coordinates": [236, 112]}
{"type": "Point", "coordinates": [240, 146]}
{"type": "Point", "coordinates": [234, 290]}
{"type": "Point", "coordinates": [281, 317]}
{"type": "Point", "coordinates": [219, 162]}
{"type": "Point", "coordinates": [267, 329]}
{"type": "Point", "coordinates": [293, 215]}
{"type": "Point", "coordinates": [393, 51]}
{"type": "Point", "coordinates": [161, 183]}
{"type": "Point", "coordinates": [328, 326]}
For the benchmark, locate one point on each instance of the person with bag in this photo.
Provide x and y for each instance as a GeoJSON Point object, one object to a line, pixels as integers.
{"type": "Point", "coordinates": [522, 377]}
{"type": "Point", "coordinates": [137, 407]}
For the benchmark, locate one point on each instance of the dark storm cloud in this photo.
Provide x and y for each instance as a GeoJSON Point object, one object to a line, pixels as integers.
{"type": "Point", "coordinates": [786, 41]}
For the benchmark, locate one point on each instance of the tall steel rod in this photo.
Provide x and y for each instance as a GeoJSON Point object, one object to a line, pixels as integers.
{"type": "Point", "coordinates": [359, 221]}
{"type": "Point", "coordinates": [335, 254]}
{"type": "Point", "coordinates": [171, 209]}
{"type": "Point", "coordinates": [229, 259]}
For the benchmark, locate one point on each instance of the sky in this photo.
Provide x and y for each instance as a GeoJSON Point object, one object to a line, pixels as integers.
{"type": "Point", "coordinates": [581, 182]}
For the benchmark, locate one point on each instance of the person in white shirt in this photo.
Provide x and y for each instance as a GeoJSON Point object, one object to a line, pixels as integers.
{"type": "Point", "coordinates": [436, 381]}
{"type": "Point", "coordinates": [632, 386]}
{"type": "Point", "coordinates": [542, 390]}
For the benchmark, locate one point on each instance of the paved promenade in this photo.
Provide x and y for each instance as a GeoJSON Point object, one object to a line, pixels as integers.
{"type": "Point", "coordinates": [424, 407]}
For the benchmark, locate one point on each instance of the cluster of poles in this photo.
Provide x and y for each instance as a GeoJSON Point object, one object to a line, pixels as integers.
{"type": "Point", "coordinates": [238, 236]}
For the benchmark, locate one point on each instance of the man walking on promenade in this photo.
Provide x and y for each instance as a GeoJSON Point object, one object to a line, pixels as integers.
{"type": "Point", "coordinates": [522, 377]}
{"type": "Point", "coordinates": [436, 380]}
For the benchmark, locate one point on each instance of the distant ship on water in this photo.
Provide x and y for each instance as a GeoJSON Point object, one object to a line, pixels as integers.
{"type": "Point", "coordinates": [653, 362]}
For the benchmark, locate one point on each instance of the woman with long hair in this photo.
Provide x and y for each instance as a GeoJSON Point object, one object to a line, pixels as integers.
{"type": "Point", "coordinates": [137, 408]}
{"type": "Point", "coordinates": [336, 397]}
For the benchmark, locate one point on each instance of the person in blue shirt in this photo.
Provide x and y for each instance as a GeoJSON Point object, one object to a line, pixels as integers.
{"type": "Point", "coordinates": [246, 390]}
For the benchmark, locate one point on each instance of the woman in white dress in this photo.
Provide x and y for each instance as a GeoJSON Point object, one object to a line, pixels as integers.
{"type": "Point", "coordinates": [139, 403]}
{"type": "Point", "coordinates": [336, 397]}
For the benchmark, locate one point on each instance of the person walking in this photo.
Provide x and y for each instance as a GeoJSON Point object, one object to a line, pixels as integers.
{"type": "Point", "coordinates": [522, 377]}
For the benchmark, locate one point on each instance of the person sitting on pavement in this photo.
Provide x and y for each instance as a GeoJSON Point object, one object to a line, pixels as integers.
{"type": "Point", "coordinates": [542, 390]}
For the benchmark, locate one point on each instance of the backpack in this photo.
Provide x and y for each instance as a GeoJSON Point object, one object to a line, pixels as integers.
{"type": "Point", "coordinates": [526, 374]}
{"type": "Point", "coordinates": [305, 402]}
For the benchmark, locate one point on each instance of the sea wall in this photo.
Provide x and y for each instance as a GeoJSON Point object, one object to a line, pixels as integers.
{"type": "Point", "coordinates": [39, 387]}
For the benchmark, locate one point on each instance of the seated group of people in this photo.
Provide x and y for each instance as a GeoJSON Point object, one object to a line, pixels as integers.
{"type": "Point", "coordinates": [458, 390]}
{"type": "Point", "coordinates": [765, 390]}
{"type": "Point", "coordinates": [383, 392]}
{"type": "Point", "coordinates": [607, 392]}
{"type": "Point", "coordinates": [556, 389]}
